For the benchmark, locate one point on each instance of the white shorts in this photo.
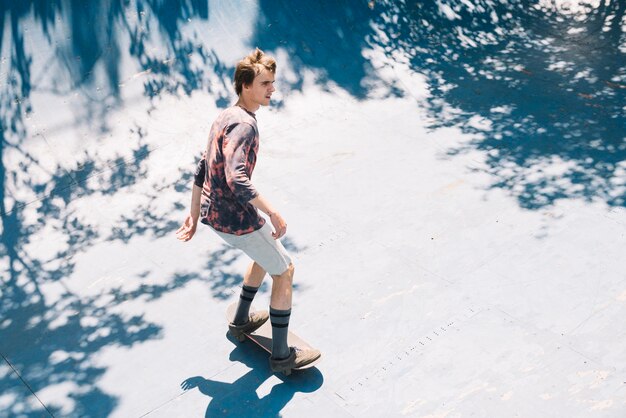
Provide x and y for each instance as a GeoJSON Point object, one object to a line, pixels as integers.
{"type": "Point", "coordinates": [260, 246]}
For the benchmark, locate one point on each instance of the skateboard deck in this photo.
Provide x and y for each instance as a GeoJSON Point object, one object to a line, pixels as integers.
{"type": "Point", "coordinates": [263, 337]}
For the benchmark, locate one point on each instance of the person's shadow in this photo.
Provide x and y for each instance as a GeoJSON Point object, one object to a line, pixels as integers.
{"type": "Point", "coordinates": [240, 397]}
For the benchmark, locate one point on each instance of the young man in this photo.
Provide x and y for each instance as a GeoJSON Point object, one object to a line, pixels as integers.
{"type": "Point", "coordinates": [224, 198]}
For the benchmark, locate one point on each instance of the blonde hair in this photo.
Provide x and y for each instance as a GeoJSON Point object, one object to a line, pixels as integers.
{"type": "Point", "coordinates": [251, 66]}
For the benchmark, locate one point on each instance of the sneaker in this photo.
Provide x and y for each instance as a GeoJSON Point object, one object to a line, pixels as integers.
{"type": "Point", "coordinates": [255, 320]}
{"type": "Point", "coordinates": [297, 358]}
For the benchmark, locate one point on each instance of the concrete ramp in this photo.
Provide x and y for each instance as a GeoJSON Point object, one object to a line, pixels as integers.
{"type": "Point", "coordinates": [453, 177]}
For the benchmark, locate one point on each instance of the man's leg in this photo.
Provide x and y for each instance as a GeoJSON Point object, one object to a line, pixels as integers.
{"type": "Point", "coordinates": [251, 282]}
{"type": "Point", "coordinates": [280, 311]}
{"type": "Point", "coordinates": [281, 289]}
{"type": "Point", "coordinates": [284, 357]}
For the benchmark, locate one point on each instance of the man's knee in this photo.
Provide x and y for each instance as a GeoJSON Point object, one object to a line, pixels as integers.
{"type": "Point", "coordinates": [287, 275]}
{"type": "Point", "coordinates": [290, 270]}
{"type": "Point", "coordinates": [256, 267]}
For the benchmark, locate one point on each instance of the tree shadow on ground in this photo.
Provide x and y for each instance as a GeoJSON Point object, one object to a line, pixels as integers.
{"type": "Point", "coordinates": [54, 343]}
{"type": "Point", "coordinates": [327, 37]}
{"type": "Point", "coordinates": [49, 333]}
{"type": "Point", "coordinates": [240, 397]}
{"type": "Point", "coordinates": [541, 91]}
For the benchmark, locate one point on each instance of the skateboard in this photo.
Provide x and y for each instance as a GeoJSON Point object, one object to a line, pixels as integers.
{"type": "Point", "coordinates": [263, 338]}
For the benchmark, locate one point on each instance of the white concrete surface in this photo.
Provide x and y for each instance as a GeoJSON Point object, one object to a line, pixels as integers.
{"type": "Point", "coordinates": [430, 293]}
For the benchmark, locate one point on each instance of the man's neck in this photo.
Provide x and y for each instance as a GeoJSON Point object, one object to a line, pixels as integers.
{"type": "Point", "coordinates": [245, 104]}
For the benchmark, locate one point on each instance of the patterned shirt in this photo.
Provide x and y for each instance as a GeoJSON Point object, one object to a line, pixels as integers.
{"type": "Point", "coordinates": [224, 173]}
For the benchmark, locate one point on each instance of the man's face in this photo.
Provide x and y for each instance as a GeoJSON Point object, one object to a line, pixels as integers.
{"type": "Point", "coordinates": [261, 89]}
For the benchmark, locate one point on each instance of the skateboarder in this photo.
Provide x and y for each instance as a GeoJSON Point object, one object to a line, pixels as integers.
{"type": "Point", "coordinates": [224, 198]}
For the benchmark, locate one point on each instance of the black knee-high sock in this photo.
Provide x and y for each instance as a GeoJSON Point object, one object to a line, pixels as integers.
{"type": "Point", "coordinates": [243, 307]}
{"type": "Point", "coordinates": [280, 331]}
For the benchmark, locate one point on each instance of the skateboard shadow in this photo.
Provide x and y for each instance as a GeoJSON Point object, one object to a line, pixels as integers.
{"type": "Point", "coordinates": [240, 398]}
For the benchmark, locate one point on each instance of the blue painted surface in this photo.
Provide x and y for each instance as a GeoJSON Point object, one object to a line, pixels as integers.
{"type": "Point", "coordinates": [93, 93]}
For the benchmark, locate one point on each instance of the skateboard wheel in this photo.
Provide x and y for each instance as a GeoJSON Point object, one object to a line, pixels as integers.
{"type": "Point", "coordinates": [241, 338]}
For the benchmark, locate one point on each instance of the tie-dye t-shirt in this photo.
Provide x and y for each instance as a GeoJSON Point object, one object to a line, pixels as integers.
{"type": "Point", "coordinates": [224, 173]}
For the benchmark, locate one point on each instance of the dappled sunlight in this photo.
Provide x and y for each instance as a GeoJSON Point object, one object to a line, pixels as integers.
{"type": "Point", "coordinates": [105, 106]}
{"type": "Point", "coordinates": [561, 81]}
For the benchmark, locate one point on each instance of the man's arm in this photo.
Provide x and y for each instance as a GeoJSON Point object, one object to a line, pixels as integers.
{"type": "Point", "coordinates": [235, 157]}
{"type": "Point", "coordinates": [196, 197]}
{"type": "Point", "coordinates": [280, 226]}
{"type": "Point", "coordinates": [188, 228]}
{"type": "Point", "coordinates": [198, 184]}
{"type": "Point", "coordinates": [241, 139]}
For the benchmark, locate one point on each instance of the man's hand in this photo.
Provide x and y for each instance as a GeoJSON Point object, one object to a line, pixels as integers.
{"type": "Point", "coordinates": [280, 226]}
{"type": "Point", "coordinates": [188, 229]}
